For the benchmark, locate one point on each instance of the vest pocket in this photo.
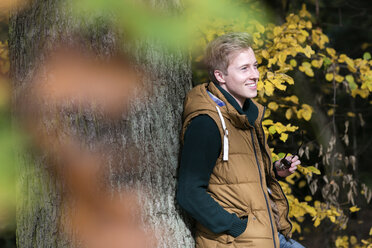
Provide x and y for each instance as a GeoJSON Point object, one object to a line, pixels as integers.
{"type": "Point", "coordinates": [258, 226]}
{"type": "Point", "coordinates": [203, 235]}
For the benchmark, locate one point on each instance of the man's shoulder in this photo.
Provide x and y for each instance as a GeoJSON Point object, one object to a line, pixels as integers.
{"type": "Point", "coordinates": [204, 121]}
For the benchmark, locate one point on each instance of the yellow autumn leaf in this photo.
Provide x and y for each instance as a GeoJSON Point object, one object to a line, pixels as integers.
{"type": "Point", "coordinates": [304, 12]}
{"type": "Point", "coordinates": [349, 62]}
{"type": "Point", "coordinates": [278, 84]}
{"type": "Point", "coordinates": [353, 240]}
{"type": "Point", "coordinates": [301, 38]}
{"type": "Point", "coordinates": [270, 75]}
{"type": "Point", "coordinates": [273, 106]}
{"type": "Point", "coordinates": [342, 58]}
{"type": "Point", "coordinates": [272, 61]}
{"type": "Point", "coordinates": [308, 198]}
{"type": "Point", "coordinates": [265, 54]}
{"type": "Point", "coordinates": [272, 130]}
{"type": "Point", "coordinates": [267, 122]}
{"type": "Point", "coordinates": [313, 170]}
{"type": "Point", "coordinates": [308, 170]}
{"type": "Point", "coordinates": [283, 137]}
{"type": "Point", "coordinates": [302, 184]}
{"type": "Point", "coordinates": [282, 57]}
{"type": "Point", "coordinates": [342, 242]}
{"type": "Point", "coordinates": [287, 78]}
{"type": "Point", "coordinates": [260, 28]}
{"type": "Point", "coordinates": [267, 113]}
{"type": "Point", "coordinates": [316, 222]}
{"type": "Point", "coordinates": [332, 218]}
{"type": "Point", "coordinates": [362, 93]}
{"type": "Point", "coordinates": [269, 88]}
{"type": "Point", "coordinates": [330, 111]}
{"type": "Point", "coordinates": [296, 227]}
{"type": "Point", "coordinates": [307, 111]}
{"type": "Point", "coordinates": [293, 62]}
{"type": "Point", "coordinates": [331, 52]}
{"type": "Point", "coordinates": [339, 78]}
{"type": "Point", "coordinates": [260, 85]}
{"type": "Point", "coordinates": [329, 76]}
{"type": "Point", "coordinates": [292, 98]}
{"type": "Point", "coordinates": [317, 63]}
{"type": "Point", "coordinates": [354, 209]}
{"type": "Point", "coordinates": [308, 51]}
{"type": "Point", "coordinates": [299, 113]}
{"type": "Point", "coordinates": [288, 114]}
{"type": "Point", "coordinates": [291, 128]}
{"type": "Point", "coordinates": [292, 26]}
{"type": "Point", "coordinates": [289, 179]}
{"type": "Point", "coordinates": [306, 68]}
{"type": "Point", "coordinates": [277, 30]}
{"type": "Point", "coordinates": [370, 231]}
{"type": "Point", "coordinates": [366, 243]}
{"type": "Point", "coordinates": [279, 127]}
{"type": "Point", "coordinates": [350, 114]}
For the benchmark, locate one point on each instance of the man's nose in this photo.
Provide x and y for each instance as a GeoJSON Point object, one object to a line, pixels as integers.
{"type": "Point", "coordinates": [255, 74]}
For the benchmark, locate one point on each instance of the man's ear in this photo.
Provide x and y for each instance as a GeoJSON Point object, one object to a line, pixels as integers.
{"type": "Point", "coordinates": [219, 76]}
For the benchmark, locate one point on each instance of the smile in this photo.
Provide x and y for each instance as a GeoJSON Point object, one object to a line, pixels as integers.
{"type": "Point", "coordinates": [251, 84]}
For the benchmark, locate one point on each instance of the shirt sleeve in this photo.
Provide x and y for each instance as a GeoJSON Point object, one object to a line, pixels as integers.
{"type": "Point", "coordinates": [202, 146]}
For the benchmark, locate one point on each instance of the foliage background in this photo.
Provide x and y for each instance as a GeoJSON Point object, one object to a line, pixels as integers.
{"type": "Point", "coordinates": [320, 214]}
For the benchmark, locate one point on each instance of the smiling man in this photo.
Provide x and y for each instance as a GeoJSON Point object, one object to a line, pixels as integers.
{"type": "Point", "coordinates": [227, 180]}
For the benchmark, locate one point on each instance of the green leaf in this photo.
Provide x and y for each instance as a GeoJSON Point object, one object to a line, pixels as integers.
{"type": "Point", "coordinates": [281, 155]}
{"type": "Point", "coordinates": [327, 61]}
{"type": "Point", "coordinates": [367, 56]}
{"type": "Point", "coordinates": [350, 79]}
{"type": "Point", "coordinates": [272, 130]}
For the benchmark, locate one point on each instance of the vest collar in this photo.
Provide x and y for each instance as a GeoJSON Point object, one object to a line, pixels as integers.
{"type": "Point", "coordinates": [239, 120]}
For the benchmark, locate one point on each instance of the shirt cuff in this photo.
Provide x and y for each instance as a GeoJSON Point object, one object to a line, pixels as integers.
{"type": "Point", "coordinates": [238, 227]}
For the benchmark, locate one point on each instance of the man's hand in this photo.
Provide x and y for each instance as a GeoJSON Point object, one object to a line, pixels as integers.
{"type": "Point", "coordinates": [284, 172]}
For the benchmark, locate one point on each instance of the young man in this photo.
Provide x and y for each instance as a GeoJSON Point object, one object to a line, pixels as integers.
{"type": "Point", "coordinates": [227, 181]}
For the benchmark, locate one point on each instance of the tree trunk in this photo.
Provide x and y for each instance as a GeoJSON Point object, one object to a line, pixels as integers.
{"type": "Point", "coordinates": [144, 144]}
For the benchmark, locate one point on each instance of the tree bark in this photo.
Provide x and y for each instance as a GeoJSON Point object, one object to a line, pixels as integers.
{"type": "Point", "coordinates": [145, 140]}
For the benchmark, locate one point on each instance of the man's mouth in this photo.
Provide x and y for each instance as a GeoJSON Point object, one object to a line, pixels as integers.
{"type": "Point", "coordinates": [254, 84]}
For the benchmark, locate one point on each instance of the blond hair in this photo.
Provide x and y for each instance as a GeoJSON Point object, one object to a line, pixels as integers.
{"type": "Point", "coordinates": [218, 52]}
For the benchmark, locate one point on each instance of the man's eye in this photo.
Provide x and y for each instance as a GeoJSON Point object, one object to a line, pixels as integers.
{"type": "Point", "coordinates": [244, 68]}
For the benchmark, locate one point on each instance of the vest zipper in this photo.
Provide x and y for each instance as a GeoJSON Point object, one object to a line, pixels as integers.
{"type": "Point", "coordinates": [276, 182]}
{"type": "Point", "coordinates": [263, 191]}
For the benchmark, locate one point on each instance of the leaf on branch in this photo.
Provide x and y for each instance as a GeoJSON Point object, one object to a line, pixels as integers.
{"type": "Point", "coordinates": [367, 56]}
{"type": "Point", "coordinates": [292, 98]}
{"type": "Point", "coordinates": [308, 170]}
{"type": "Point", "coordinates": [354, 209]}
{"type": "Point", "coordinates": [350, 80]}
{"type": "Point", "coordinates": [273, 106]}
{"type": "Point", "coordinates": [288, 114]}
{"type": "Point", "coordinates": [339, 78]}
{"type": "Point", "coordinates": [293, 62]}
{"type": "Point", "coordinates": [329, 76]}
{"type": "Point", "coordinates": [283, 137]}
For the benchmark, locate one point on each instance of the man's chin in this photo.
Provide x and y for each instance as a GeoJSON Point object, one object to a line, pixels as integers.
{"type": "Point", "coordinates": [251, 95]}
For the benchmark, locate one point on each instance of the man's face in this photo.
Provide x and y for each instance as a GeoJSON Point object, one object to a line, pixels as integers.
{"type": "Point", "coordinates": [242, 76]}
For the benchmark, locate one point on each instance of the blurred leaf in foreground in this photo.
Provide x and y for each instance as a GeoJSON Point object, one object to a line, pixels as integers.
{"type": "Point", "coordinates": [176, 28]}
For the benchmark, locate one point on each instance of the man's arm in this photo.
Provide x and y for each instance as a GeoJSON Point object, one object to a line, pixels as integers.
{"type": "Point", "coordinates": [202, 146]}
